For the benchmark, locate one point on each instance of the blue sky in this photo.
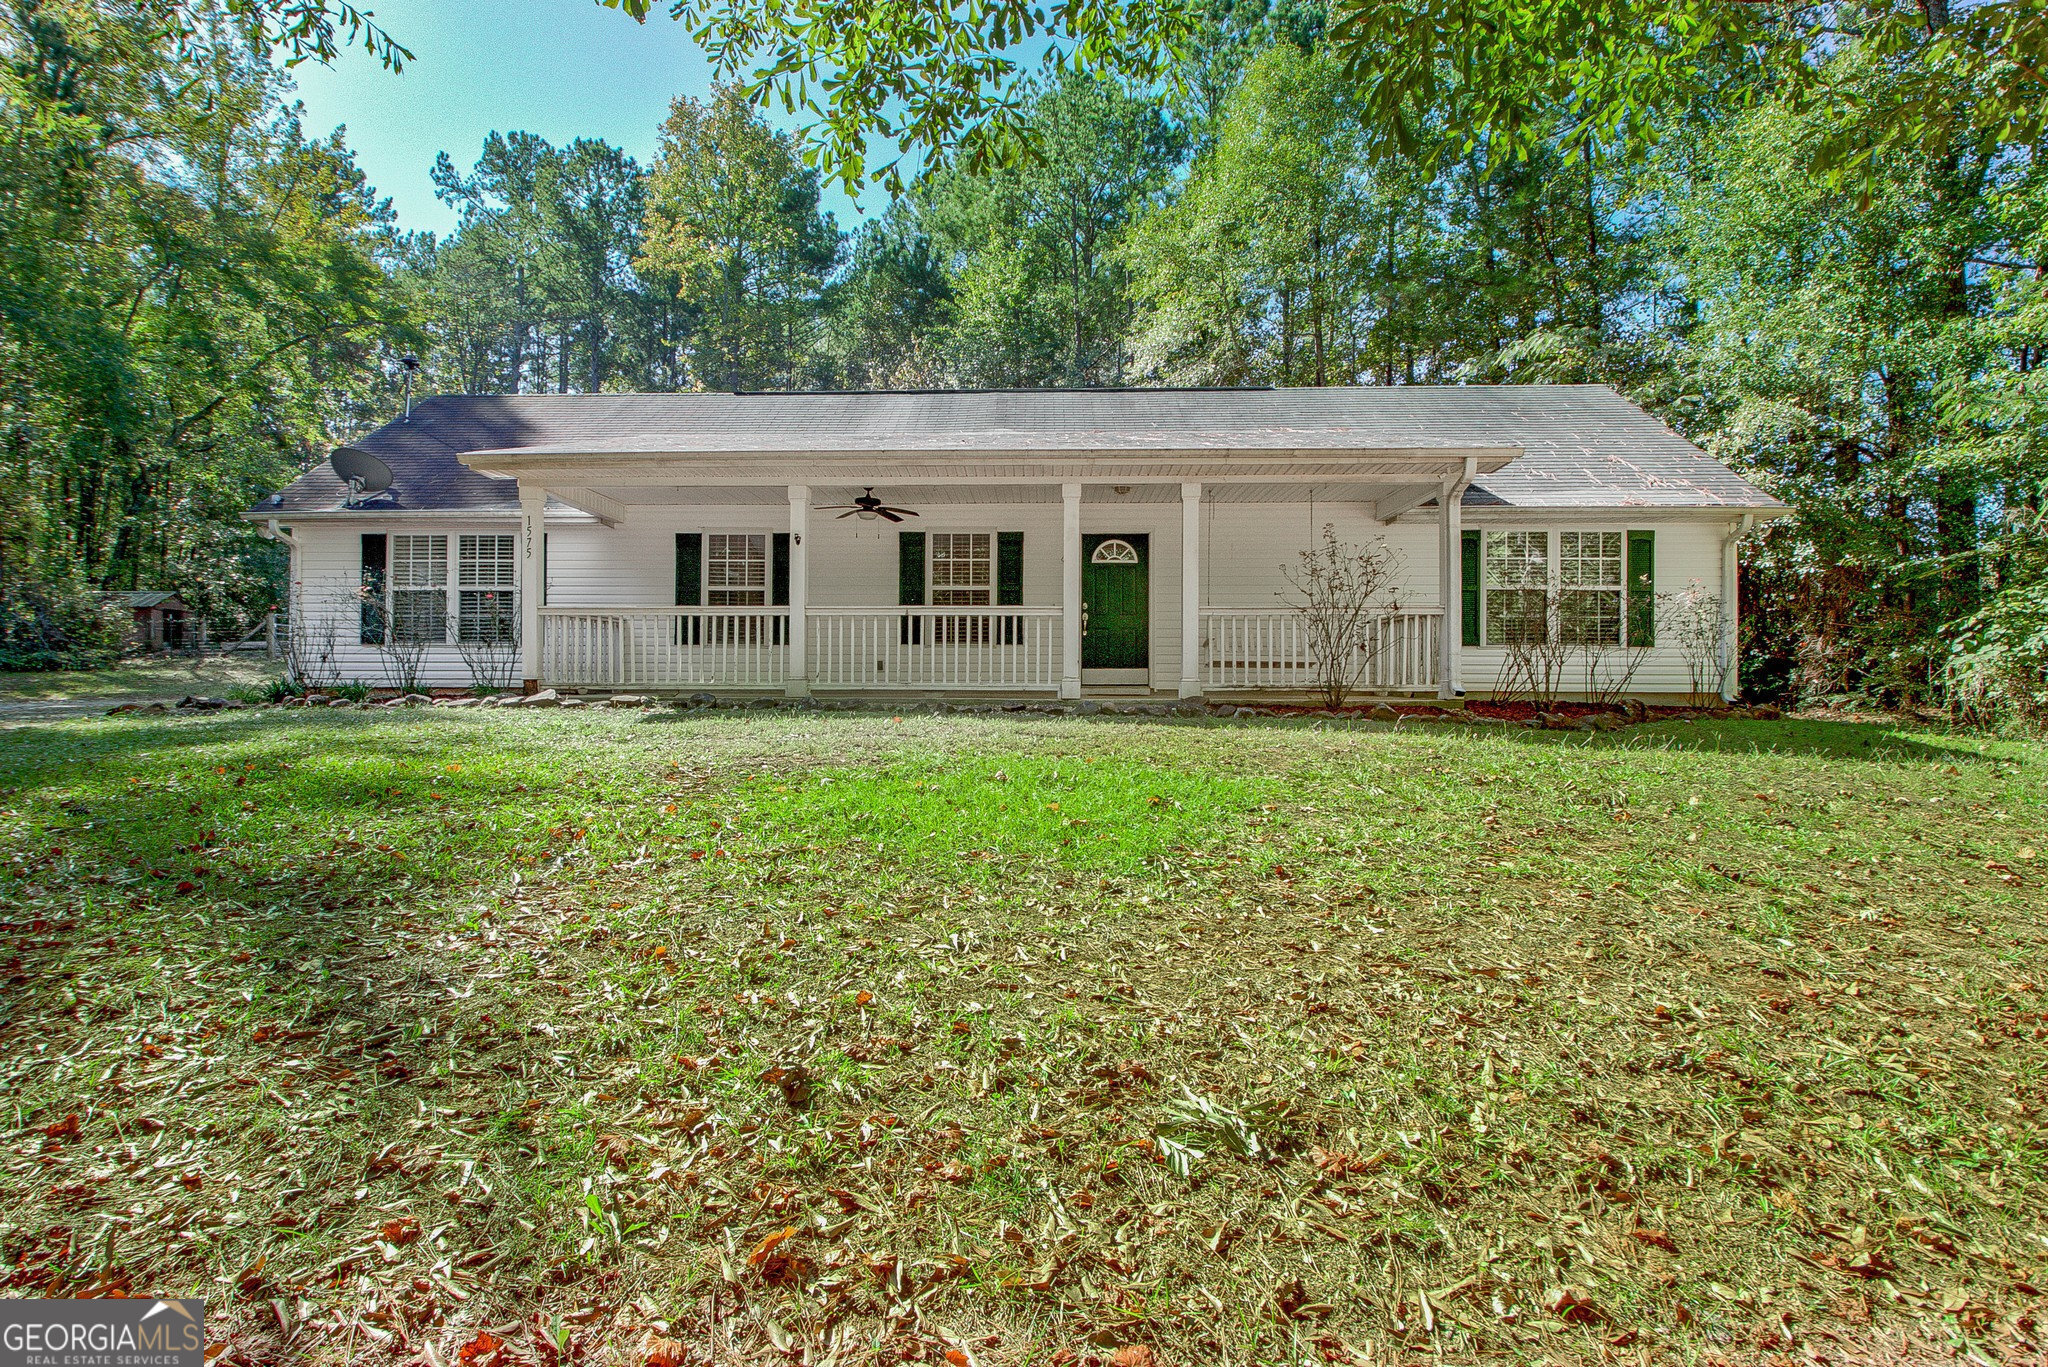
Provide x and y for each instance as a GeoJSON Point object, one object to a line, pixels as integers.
{"type": "Point", "coordinates": [560, 68]}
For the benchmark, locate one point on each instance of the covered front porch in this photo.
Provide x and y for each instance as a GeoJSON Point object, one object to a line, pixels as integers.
{"type": "Point", "coordinates": [1157, 576]}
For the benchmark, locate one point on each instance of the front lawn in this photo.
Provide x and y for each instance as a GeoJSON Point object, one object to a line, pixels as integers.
{"type": "Point", "coordinates": [526, 1037]}
{"type": "Point", "coordinates": [129, 680]}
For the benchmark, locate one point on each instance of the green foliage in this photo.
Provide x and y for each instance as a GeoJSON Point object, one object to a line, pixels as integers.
{"type": "Point", "coordinates": [192, 293]}
{"type": "Point", "coordinates": [1833, 333]}
{"type": "Point", "coordinates": [888, 313]}
{"type": "Point", "coordinates": [733, 220]}
{"type": "Point", "coordinates": [1999, 664]}
{"type": "Point", "coordinates": [1291, 257]}
{"type": "Point", "coordinates": [57, 625]}
{"type": "Point", "coordinates": [1040, 293]}
{"type": "Point", "coordinates": [536, 290]}
{"type": "Point", "coordinates": [929, 74]}
{"type": "Point", "coordinates": [280, 689]}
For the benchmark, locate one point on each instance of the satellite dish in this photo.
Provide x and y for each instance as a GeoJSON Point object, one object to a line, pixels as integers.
{"type": "Point", "coordinates": [362, 472]}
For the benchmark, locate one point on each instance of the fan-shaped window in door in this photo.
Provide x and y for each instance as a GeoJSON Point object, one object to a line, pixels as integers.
{"type": "Point", "coordinates": [1115, 551]}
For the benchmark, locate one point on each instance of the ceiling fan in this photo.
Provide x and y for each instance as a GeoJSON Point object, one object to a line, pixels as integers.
{"type": "Point", "coordinates": [868, 507]}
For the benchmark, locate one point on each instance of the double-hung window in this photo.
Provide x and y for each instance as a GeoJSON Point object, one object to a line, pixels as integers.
{"type": "Point", "coordinates": [736, 576]}
{"type": "Point", "coordinates": [419, 589]}
{"type": "Point", "coordinates": [1517, 569]}
{"type": "Point", "coordinates": [735, 570]}
{"type": "Point", "coordinates": [1589, 587]}
{"type": "Point", "coordinates": [963, 576]}
{"type": "Point", "coordinates": [963, 570]}
{"type": "Point", "coordinates": [487, 589]}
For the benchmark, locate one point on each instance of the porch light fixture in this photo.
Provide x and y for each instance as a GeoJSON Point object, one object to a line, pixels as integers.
{"type": "Point", "coordinates": [1120, 489]}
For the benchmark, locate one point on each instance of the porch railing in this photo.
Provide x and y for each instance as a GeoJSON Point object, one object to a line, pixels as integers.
{"type": "Point", "coordinates": [870, 648]}
{"type": "Point", "coordinates": [1001, 648]}
{"type": "Point", "coordinates": [1272, 648]}
{"type": "Point", "coordinates": [1011, 648]}
{"type": "Point", "coordinates": [664, 647]}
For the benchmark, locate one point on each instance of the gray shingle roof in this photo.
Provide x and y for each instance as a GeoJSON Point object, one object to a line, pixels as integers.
{"type": "Point", "coordinates": [1583, 445]}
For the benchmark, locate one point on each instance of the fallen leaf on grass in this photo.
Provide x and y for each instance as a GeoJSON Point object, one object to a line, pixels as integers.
{"type": "Point", "coordinates": [777, 1264]}
{"type": "Point", "coordinates": [1655, 1238]}
{"type": "Point", "coordinates": [1341, 1164]}
{"type": "Point", "coordinates": [662, 1352]}
{"type": "Point", "coordinates": [768, 1246]}
{"type": "Point", "coordinates": [482, 1346]}
{"type": "Point", "coordinates": [1572, 1306]}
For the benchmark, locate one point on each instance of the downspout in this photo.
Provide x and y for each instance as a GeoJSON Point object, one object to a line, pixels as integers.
{"type": "Point", "coordinates": [1731, 683]}
{"type": "Point", "coordinates": [270, 529]}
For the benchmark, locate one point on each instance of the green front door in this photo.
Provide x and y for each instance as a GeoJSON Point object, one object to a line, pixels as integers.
{"type": "Point", "coordinates": [1115, 619]}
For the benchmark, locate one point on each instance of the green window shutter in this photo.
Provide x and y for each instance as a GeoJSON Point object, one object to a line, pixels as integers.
{"type": "Point", "coordinates": [689, 569]}
{"type": "Point", "coordinates": [1642, 588]}
{"type": "Point", "coordinates": [371, 631]}
{"type": "Point", "coordinates": [1468, 548]}
{"type": "Point", "coordinates": [910, 568]}
{"type": "Point", "coordinates": [1009, 569]}
{"type": "Point", "coordinates": [910, 583]}
{"type": "Point", "coordinates": [1010, 585]}
{"type": "Point", "coordinates": [778, 570]}
{"type": "Point", "coordinates": [690, 586]}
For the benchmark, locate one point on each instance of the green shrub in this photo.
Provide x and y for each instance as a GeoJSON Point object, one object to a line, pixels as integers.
{"type": "Point", "coordinates": [275, 691]}
{"type": "Point", "coordinates": [57, 626]}
{"type": "Point", "coordinates": [355, 690]}
{"type": "Point", "coordinates": [1998, 673]}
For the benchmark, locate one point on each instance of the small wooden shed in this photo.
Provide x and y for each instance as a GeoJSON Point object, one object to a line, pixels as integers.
{"type": "Point", "coordinates": [161, 620]}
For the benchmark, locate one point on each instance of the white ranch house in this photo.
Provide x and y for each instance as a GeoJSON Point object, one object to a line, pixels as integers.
{"type": "Point", "coordinates": [1066, 542]}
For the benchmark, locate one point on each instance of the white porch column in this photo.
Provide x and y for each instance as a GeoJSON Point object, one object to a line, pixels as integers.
{"type": "Point", "coordinates": [1191, 590]}
{"type": "Point", "coordinates": [533, 503]}
{"type": "Point", "coordinates": [1070, 593]}
{"type": "Point", "coordinates": [797, 677]}
{"type": "Point", "coordinates": [1451, 626]}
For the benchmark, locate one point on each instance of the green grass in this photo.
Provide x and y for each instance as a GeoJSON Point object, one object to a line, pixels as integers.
{"type": "Point", "coordinates": [133, 679]}
{"type": "Point", "coordinates": [1253, 1043]}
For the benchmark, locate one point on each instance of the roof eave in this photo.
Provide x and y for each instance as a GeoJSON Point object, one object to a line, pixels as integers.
{"type": "Point", "coordinates": [584, 463]}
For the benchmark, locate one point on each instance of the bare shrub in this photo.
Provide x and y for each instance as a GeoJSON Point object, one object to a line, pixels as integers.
{"type": "Point", "coordinates": [489, 646]}
{"type": "Point", "coordinates": [1337, 588]}
{"type": "Point", "coordinates": [312, 639]}
{"type": "Point", "coordinates": [1535, 654]}
{"type": "Point", "coordinates": [1607, 667]}
{"type": "Point", "coordinates": [405, 660]}
{"type": "Point", "coordinates": [1692, 620]}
